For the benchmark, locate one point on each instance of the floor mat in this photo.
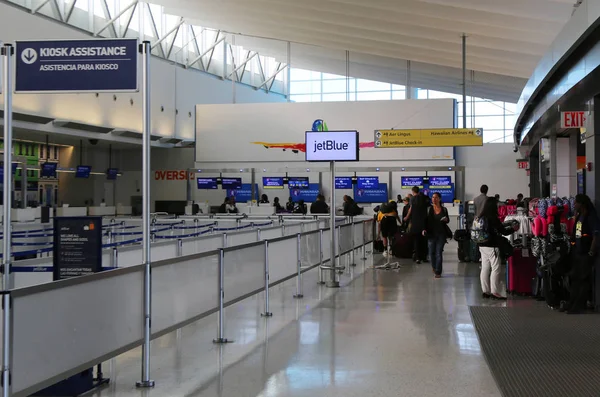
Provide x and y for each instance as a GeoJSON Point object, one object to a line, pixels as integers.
{"type": "Point", "coordinates": [534, 351]}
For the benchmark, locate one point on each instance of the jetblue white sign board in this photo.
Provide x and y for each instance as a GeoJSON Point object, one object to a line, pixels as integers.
{"type": "Point", "coordinates": [332, 146]}
{"type": "Point", "coordinates": [77, 66]}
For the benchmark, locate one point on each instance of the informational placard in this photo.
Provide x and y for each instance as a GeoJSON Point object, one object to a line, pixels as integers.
{"type": "Point", "coordinates": [77, 246]}
{"type": "Point", "coordinates": [343, 182]}
{"type": "Point", "coordinates": [76, 66]}
{"type": "Point", "coordinates": [298, 182]}
{"type": "Point", "coordinates": [440, 181]}
{"type": "Point", "coordinates": [308, 195]}
{"type": "Point", "coordinates": [436, 137]}
{"type": "Point", "coordinates": [332, 146]}
{"type": "Point", "coordinates": [273, 182]}
{"type": "Point", "coordinates": [244, 194]}
{"type": "Point", "coordinates": [231, 183]}
{"type": "Point", "coordinates": [207, 183]}
{"type": "Point", "coordinates": [367, 182]}
{"type": "Point", "coordinates": [408, 182]}
{"type": "Point", "coordinates": [379, 195]}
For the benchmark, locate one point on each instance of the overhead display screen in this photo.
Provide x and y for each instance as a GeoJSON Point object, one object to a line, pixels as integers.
{"type": "Point", "coordinates": [49, 170]}
{"type": "Point", "coordinates": [207, 183]}
{"type": "Point", "coordinates": [343, 182]}
{"type": "Point", "coordinates": [367, 182]}
{"type": "Point", "coordinates": [272, 182]}
{"type": "Point", "coordinates": [411, 181]}
{"type": "Point", "coordinates": [83, 171]}
{"type": "Point", "coordinates": [298, 182]}
{"type": "Point", "coordinates": [231, 183]}
{"type": "Point", "coordinates": [112, 173]}
{"type": "Point", "coordinates": [440, 181]}
{"type": "Point", "coordinates": [332, 146]}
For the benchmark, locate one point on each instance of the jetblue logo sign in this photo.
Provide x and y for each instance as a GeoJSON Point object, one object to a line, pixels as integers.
{"type": "Point", "coordinates": [77, 66]}
{"type": "Point", "coordinates": [332, 146]}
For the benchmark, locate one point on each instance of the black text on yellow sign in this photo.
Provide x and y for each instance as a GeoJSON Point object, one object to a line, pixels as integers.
{"type": "Point", "coordinates": [437, 137]}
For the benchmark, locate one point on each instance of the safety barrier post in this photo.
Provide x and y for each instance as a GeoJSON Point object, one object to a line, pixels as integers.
{"type": "Point", "coordinates": [224, 240]}
{"type": "Point", "coordinates": [257, 234]}
{"type": "Point", "coordinates": [282, 230]}
{"type": "Point", "coordinates": [179, 247]}
{"type": "Point", "coordinates": [352, 261]}
{"type": "Point", "coordinates": [145, 50]}
{"type": "Point", "coordinates": [109, 235]}
{"type": "Point", "coordinates": [221, 322]}
{"type": "Point", "coordinates": [320, 282]}
{"type": "Point", "coordinates": [339, 247]}
{"type": "Point", "coordinates": [299, 288]}
{"type": "Point", "coordinates": [7, 54]}
{"type": "Point", "coordinates": [267, 312]}
{"type": "Point", "coordinates": [114, 257]}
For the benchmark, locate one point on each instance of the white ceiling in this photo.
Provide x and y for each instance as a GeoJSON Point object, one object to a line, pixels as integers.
{"type": "Point", "coordinates": [504, 37]}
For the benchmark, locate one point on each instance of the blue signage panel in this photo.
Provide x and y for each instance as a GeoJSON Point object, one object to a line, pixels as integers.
{"type": "Point", "coordinates": [367, 182]}
{"type": "Point", "coordinates": [206, 183]}
{"type": "Point", "coordinates": [273, 182]}
{"type": "Point", "coordinates": [343, 182]}
{"type": "Point", "coordinates": [77, 65]}
{"type": "Point", "coordinates": [440, 181]}
{"type": "Point", "coordinates": [410, 181]}
{"type": "Point", "coordinates": [308, 195]}
{"type": "Point", "coordinates": [447, 192]}
{"type": "Point", "coordinates": [244, 194]}
{"type": "Point", "coordinates": [379, 195]}
{"type": "Point", "coordinates": [298, 182]}
{"type": "Point", "coordinates": [231, 183]}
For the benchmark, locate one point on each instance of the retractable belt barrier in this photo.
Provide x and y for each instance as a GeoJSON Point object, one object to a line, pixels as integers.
{"type": "Point", "coordinates": [106, 318]}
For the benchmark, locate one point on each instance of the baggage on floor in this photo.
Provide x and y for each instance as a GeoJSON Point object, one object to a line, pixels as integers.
{"type": "Point", "coordinates": [474, 254]}
{"type": "Point", "coordinates": [403, 246]}
{"type": "Point", "coordinates": [521, 272]}
{"type": "Point", "coordinates": [378, 246]}
{"type": "Point", "coordinates": [464, 251]}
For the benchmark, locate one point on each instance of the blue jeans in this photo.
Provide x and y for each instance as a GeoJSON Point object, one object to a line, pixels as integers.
{"type": "Point", "coordinates": [436, 253]}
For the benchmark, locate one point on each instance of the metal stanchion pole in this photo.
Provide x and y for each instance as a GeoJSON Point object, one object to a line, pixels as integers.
{"type": "Point", "coordinates": [267, 313]}
{"type": "Point", "coordinates": [224, 240]}
{"type": "Point", "coordinates": [221, 323]}
{"type": "Point", "coordinates": [146, 259]}
{"type": "Point", "coordinates": [339, 248]}
{"type": "Point", "coordinates": [179, 247]}
{"type": "Point", "coordinates": [320, 282]}
{"type": "Point", "coordinates": [7, 54]}
{"type": "Point", "coordinates": [333, 282]}
{"type": "Point", "coordinates": [114, 259]}
{"type": "Point", "coordinates": [352, 261]}
{"type": "Point", "coordinates": [258, 235]}
{"type": "Point", "coordinates": [299, 293]}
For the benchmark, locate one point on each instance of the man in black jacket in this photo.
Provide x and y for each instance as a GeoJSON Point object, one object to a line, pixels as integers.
{"type": "Point", "coordinates": [319, 206]}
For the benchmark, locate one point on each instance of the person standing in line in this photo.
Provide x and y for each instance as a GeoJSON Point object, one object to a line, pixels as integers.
{"type": "Point", "coordinates": [587, 230]}
{"type": "Point", "coordinates": [387, 219]}
{"type": "Point", "coordinates": [319, 206]}
{"type": "Point", "coordinates": [406, 202]}
{"type": "Point", "coordinates": [479, 201]}
{"type": "Point", "coordinates": [490, 253]}
{"type": "Point", "coordinates": [277, 205]}
{"type": "Point", "coordinates": [417, 215]}
{"type": "Point", "coordinates": [435, 231]}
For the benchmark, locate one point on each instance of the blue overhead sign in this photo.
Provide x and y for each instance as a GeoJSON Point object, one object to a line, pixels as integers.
{"type": "Point", "coordinates": [379, 195]}
{"type": "Point", "coordinates": [77, 65]}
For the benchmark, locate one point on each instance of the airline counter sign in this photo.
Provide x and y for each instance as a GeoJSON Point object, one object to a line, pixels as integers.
{"type": "Point", "coordinates": [77, 66]}
{"type": "Point", "coordinates": [435, 137]}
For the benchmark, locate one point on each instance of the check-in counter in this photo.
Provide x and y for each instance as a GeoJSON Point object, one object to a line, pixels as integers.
{"type": "Point", "coordinates": [102, 211]}
{"type": "Point", "coordinates": [23, 214]}
{"type": "Point", "coordinates": [71, 211]}
{"type": "Point", "coordinates": [124, 209]}
{"type": "Point", "coordinates": [265, 209]}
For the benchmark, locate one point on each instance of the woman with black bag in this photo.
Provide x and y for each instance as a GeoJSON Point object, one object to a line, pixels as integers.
{"type": "Point", "coordinates": [437, 232]}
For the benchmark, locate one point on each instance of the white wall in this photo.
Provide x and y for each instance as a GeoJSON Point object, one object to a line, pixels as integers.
{"type": "Point", "coordinates": [173, 87]}
{"type": "Point", "coordinates": [225, 133]}
{"type": "Point", "coordinates": [495, 165]}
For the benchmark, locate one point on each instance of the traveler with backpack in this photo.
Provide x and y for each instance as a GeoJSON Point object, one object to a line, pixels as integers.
{"type": "Point", "coordinates": [486, 232]}
{"type": "Point", "coordinates": [388, 227]}
{"type": "Point", "coordinates": [436, 231]}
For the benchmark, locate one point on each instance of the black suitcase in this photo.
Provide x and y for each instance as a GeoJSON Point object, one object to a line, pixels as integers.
{"type": "Point", "coordinates": [464, 251]}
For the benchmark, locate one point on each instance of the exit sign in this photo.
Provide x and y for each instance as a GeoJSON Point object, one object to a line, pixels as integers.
{"type": "Point", "coordinates": [572, 119]}
{"type": "Point", "coordinates": [523, 165]}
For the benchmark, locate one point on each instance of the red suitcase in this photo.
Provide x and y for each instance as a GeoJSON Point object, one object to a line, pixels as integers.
{"type": "Point", "coordinates": [521, 273]}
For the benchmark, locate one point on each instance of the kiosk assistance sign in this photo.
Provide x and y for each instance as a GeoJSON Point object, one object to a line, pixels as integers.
{"type": "Point", "coordinates": [77, 246]}
{"type": "Point", "coordinates": [76, 65]}
{"type": "Point", "coordinates": [437, 137]}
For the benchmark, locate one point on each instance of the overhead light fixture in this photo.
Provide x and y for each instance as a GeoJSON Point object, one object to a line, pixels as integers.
{"type": "Point", "coordinates": [81, 126]}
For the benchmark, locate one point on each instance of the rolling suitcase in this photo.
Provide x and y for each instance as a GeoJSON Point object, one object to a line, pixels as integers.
{"type": "Point", "coordinates": [403, 246]}
{"type": "Point", "coordinates": [521, 272]}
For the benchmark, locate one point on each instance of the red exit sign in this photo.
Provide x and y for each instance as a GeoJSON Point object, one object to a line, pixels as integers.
{"type": "Point", "coordinates": [523, 165]}
{"type": "Point", "coordinates": [572, 119]}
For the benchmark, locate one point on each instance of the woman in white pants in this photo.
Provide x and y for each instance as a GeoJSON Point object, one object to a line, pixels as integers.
{"type": "Point", "coordinates": [490, 253]}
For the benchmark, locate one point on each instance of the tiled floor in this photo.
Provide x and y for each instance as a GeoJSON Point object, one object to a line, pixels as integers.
{"type": "Point", "coordinates": [387, 333]}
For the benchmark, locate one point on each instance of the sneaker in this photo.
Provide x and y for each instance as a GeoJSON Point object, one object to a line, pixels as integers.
{"type": "Point", "coordinates": [418, 261]}
{"type": "Point", "coordinates": [486, 295]}
{"type": "Point", "coordinates": [499, 298]}
{"type": "Point", "coordinates": [437, 276]}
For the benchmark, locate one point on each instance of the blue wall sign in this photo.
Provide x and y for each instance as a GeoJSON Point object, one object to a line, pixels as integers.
{"type": "Point", "coordinates": [447, 192]}
{"type": "Point", "coordinates": [77, 65]}
{"type": "Point", "coordinates": [343, 182]}
{"type": "Point", "coordinates": [379, 195]}
{"type": "Point", "coordinates": [367, 182]}
{"type": "Point", "coordinates": [410, 181]}
{"type": "Point", "coordinates": [308, 195]}
{"type": "Point", "coordinates": [244, 194]}
{"type": "Point", "coordinates": [440, 181]}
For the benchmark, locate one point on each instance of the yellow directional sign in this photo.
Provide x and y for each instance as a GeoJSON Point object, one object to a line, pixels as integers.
{"type": "Point", "coordinates": [436, 137]}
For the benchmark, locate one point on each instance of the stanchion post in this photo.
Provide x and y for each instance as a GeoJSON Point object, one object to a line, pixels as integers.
{"type": "Point", "coordinates": [179, 247]}
{"type": "Point", "coordinates": [320, 282]}
{"type": "Point", "coordinates": [221, 321]}
{"type": "Point", "coordinates": [224, 240]}
{"type": "Point", "coordinates": [114, 258]}
{"type": "Point", "coordinates": [257, 234]}
{"type": "Point", "coordinates": [299, 293]}
{"type": "Point", "coordinates": [333, 282]}
{"type": "Point", "coordinates": [339, 248]}
{"type": "Point", "coordinates": [145, 50]}
{"type": "Point", "coordinates": [7, 52]}
{"type": "Point", "coordinates": [282, 230]}
{"type": "Point", "coordinates": [352, 261]}
{"type": "Point", "coordinates": [267, 312]}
